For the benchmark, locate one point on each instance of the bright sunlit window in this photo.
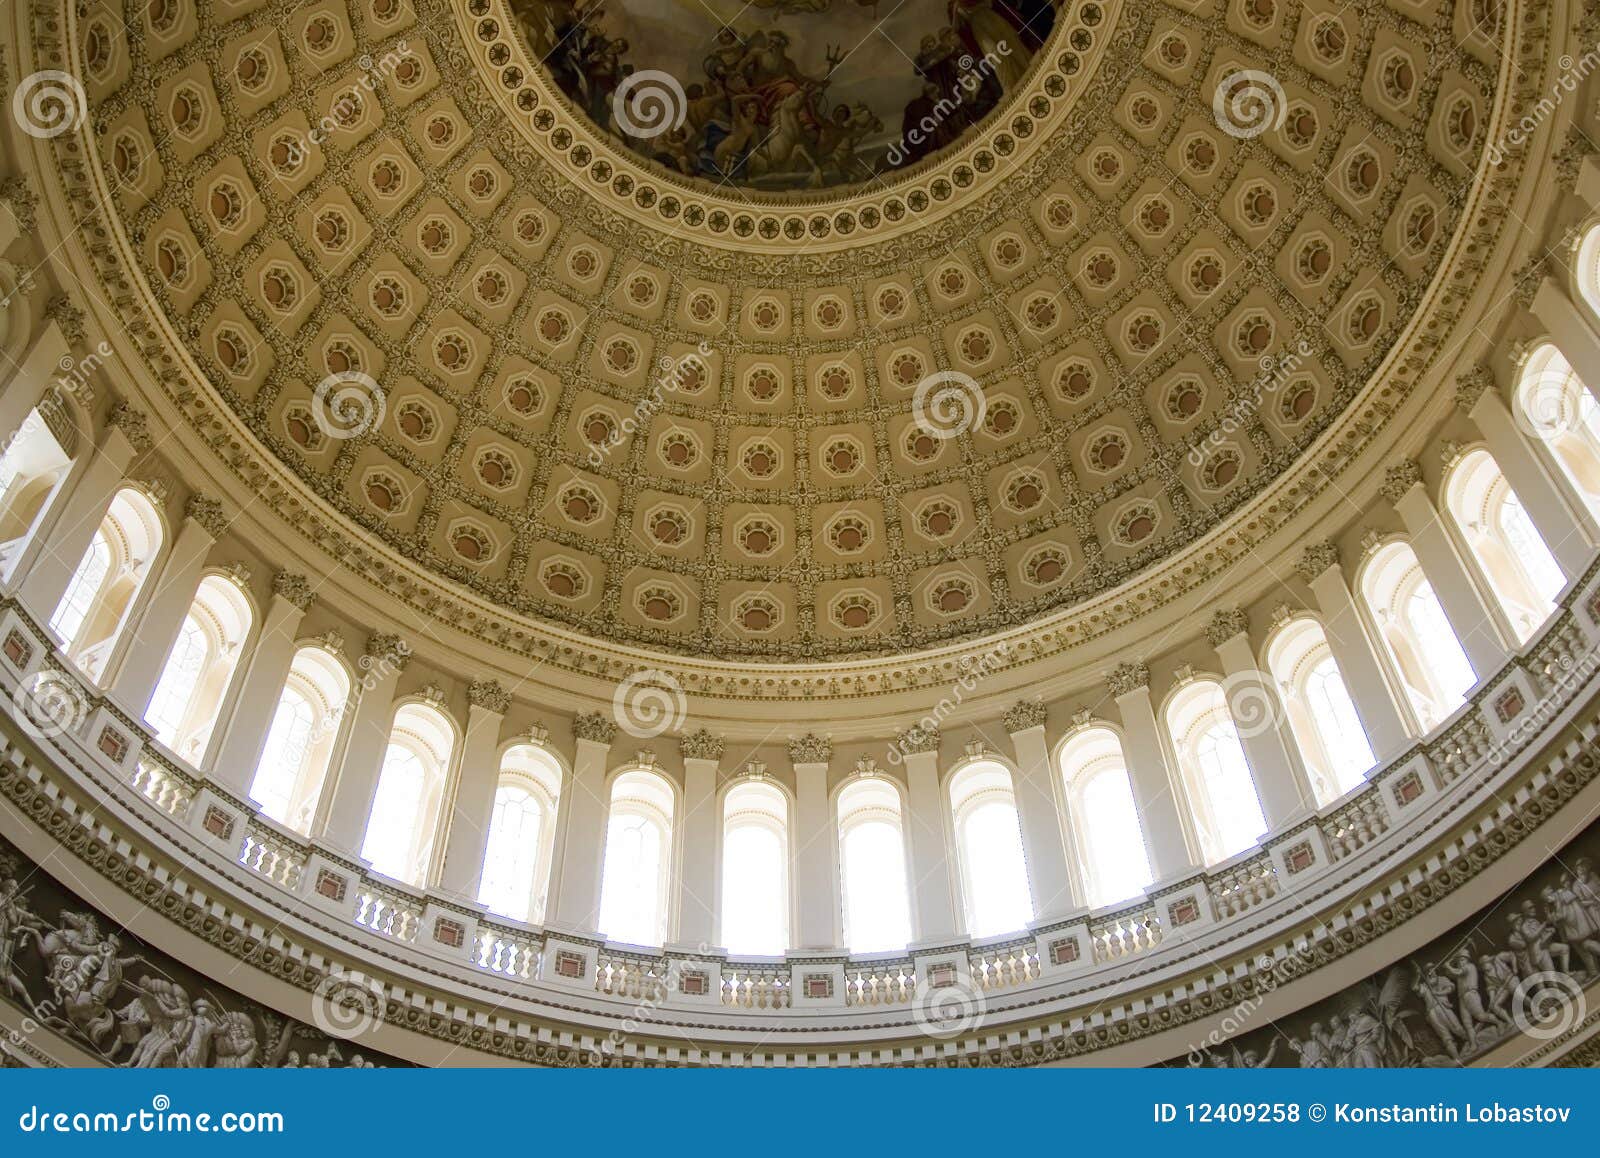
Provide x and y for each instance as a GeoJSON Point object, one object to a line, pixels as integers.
{"type": "Point", "coordinates": [989, 840]}
{"type": "Point", "coordinates": [877, 907]}
{"type": "Point", "coordinates": [1104, 818]}
{"type": "Point", "coordinates": [633, 895]}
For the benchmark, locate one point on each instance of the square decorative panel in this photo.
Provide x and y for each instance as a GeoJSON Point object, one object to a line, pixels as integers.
{"type": "Point", "coordinates": [1185, 911]}
{"type": "Point", "coordinates": [113, 743]}
{"type": "Point", "coordinates": [1408, 788]}
{"type": "Point", "coordinates": [1064, 951]}
{"type": "Point", "coordinates": [819, 986]}
{"type": "Point", "coordinates": [219, 823]}
{"type": "Point", "coordinates": [569, 964]}
{"type": "Point", "coordinates": [330, 885]}
{"type": "Point", "coordinates": [942, 974]}
{"type": "Point", "coordinates": [694, 982]}
{"type": "Point", "coordinates": [448, 932]}
{"type": "Point", "coordinates": [18, 650]}
{"type": "Point", "coordinates": [1508, 704]}
{"type": "Point", "coordinates": [1299, 858]}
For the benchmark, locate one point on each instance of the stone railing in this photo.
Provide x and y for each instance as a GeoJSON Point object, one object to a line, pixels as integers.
{"type": "Point", "coordinates": [1555, 673]}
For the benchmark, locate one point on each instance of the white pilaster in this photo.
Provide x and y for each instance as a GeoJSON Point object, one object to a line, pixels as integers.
{"type": "Point", "coordinates": [472, 810]}
{"type": "Point", "coordinates": [699, 865]}
{"type": "Point", "coordinates": [1475, 622]}
{"type": "Point", "coordinates": [1357, 656]}
{"type": "Point", "coordinates": [816, 859]}
{"type": "Point", "coordinates": [1045, 842]}
{"type": "Point", "coordinates": [933, 870]}
{"type": "Point", "coordinates": [581, 830]}
{"type": "Point", "coordinates": [145, 647]}
{"type": "Point", "coordinates": [1260, 719]}
{"type": "Point", "coordinates": [1155, 787]}
{"type": "Point", "coordinates": [344, 824]}
{"type": "Point", "coordinates": [245, 738]}
{"type": "Point", "coordinates": [1570, 331]}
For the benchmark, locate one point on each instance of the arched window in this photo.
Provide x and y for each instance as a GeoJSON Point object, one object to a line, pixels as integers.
{"type": "Point", "coordinates": [107, 581]}
{"type": "Point", "coordinates": [516, 859]}
{"type": "Point", "coordinates": [1104, 817]}
{"type": "Point", "coordinates": [1216, 774]}
{"type": "Point", "coordinates": [1417, 637]}
{"type": "Point", "coordinates": [193, 687]}
{"type": "Point", "coordinates": [755, 869]}
{"type": "Point", "coordinates": [1555, 407]}
{"type": "Point", "coordinates": [1588, 271]}
{"type": "Point", "coordinates": [294, 763]}
{"type": "Point", "coordinates": [1328, 731]}
{"type": "Point", "coordinates": [872, 852]}
{"type": "Point", "coordinates": [1511, 556]}
{"type": "Point", "coordinates": [405, 809]}
{"type": "Point", "coordinates": [994, 872]}
{"type": "Point", "coordinates": [633, 893]}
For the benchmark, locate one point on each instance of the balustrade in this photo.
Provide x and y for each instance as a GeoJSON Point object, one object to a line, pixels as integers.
{"type": "Point", "coordinates": [507, 952]}
{"type": "Point", "coordinates": [880, 983]}
{"type": "Point", "coordinates": [755, 986]}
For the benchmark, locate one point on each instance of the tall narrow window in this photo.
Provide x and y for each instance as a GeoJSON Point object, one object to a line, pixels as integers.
{"type": "Point", "coordinates": [1327, 730]}
{"type": "Point", "coordinates": [1557, 409]}
{"type": "Point", "coordinates": [516, 861]}
{"type": "Point", "coordinates": [877, 906]}
{"type": "Point", "coordinates": [994, 871]}
{"type": "Point", "coordinates": [404, 820]}
{"type": "Point", "coordinates": [194, 684]}
{"type": "Point", "coordinates": [31, 472]}
{"type": "Point", "coordinates": [633, 895]}
{"type": "Point", "coordinates": [105, 586]}
{"type": "Point", "coordinates": [294, 762]}
{"type": "Point", "coordinates": [1216, 773]}
{"type": "Point", "coordinates": [1418, 640]}
{"type": "Point", "coordinates": [755, 870]}
{"type": "Point", "coordinates": [1510, 555]}
{"type": "Point", "coordinates": [1105, 821]}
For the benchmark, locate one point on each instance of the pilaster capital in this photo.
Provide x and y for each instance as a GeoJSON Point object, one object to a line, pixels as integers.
{"type": "Point", "coordinates": [294, 587]}
{"type": "Point", "coordinates": [594, 726]}
{"type": "Point", "coordinates": [1473, 385]}
{"type": "Point", "coordinates": [386, 652]}
{"type": "Point", "coordinates": [208, 513]}
{"type": "Point", "coordinates": [1317, 558]}
{"type": "Point", "coordinates": [1400, 478]}
{"type": "Point", "coordinates": [1226, 624]}
{"type": "Point", "coordinates": [1023, 715]}
{"type": "Point", "coordinates": [918, 738]}
{"type": "Point", "coordinates": [133, 424]}
{"type": "Point", "coordinates": [810, 749]}
{"type": "Point", "coordinates": [1127, 677]}
{"type": "Point", "coordinates": [700, 744]}
{"type": "Point", "coordinates": [488, 694]}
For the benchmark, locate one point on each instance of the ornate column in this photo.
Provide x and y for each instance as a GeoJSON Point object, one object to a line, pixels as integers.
{"type": "Point", "coordinates": [816, 846]}
{"type": "Point", "coordinates": [144, 649]}
{"type": "Point", "coordinates": [933, 883]}
{"type": "Point", "coordinates": [472, 809]}
{"type": "Point", "coordinates": [1155, 787]}
{"type": "Point", "coordinates": [1567, 528]}
{"type": "Point", "coordinates": [343, 826]}
{"type": "Point", "coordinates": [1282, 784]}
{"type": "Point", "coordinates": [85, 506]}
{"type": "Point", "coordinates": [1356, 653]}
{"type": "Point", "coordinates": [261, 687]}
{"type": "Point", "coordinates": [1476, 623]}
{"type": "Point", "coordinates": [1571, 332]}
{"type": "Point", "coordinates": [581, 829]}
{"type": "Point", "coordinates": [699, 865]}
{"type": "Point", "coordinates": [1052, 863]}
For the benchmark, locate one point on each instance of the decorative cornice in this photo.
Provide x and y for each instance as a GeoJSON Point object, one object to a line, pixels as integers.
{"type": "Point", "coordinates": [1226, 624]}
{"type": "Point", "coordinates": [594, 726]}
{"type": "Point", "coordinates": [294, 587]}
{"type": "Point", "coordinates": [132, 422]}
{"type": "Point", "coordinates": [1317, 558]}
{"type": "Point", "coordinates": [700, 744]}
{"type": "Point", "coordinates": [1127, 677]}
{"type": "Point", "coordinates": [1024, 715]}
{"type": "Point", "coordinates": [488, 694]}
{"type": "Point", "coordinates": [207, 512]}
{"type": "Point", "coordinates": [1400, 478]}
{"type": "Point", "coordinates": [810, 749]}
